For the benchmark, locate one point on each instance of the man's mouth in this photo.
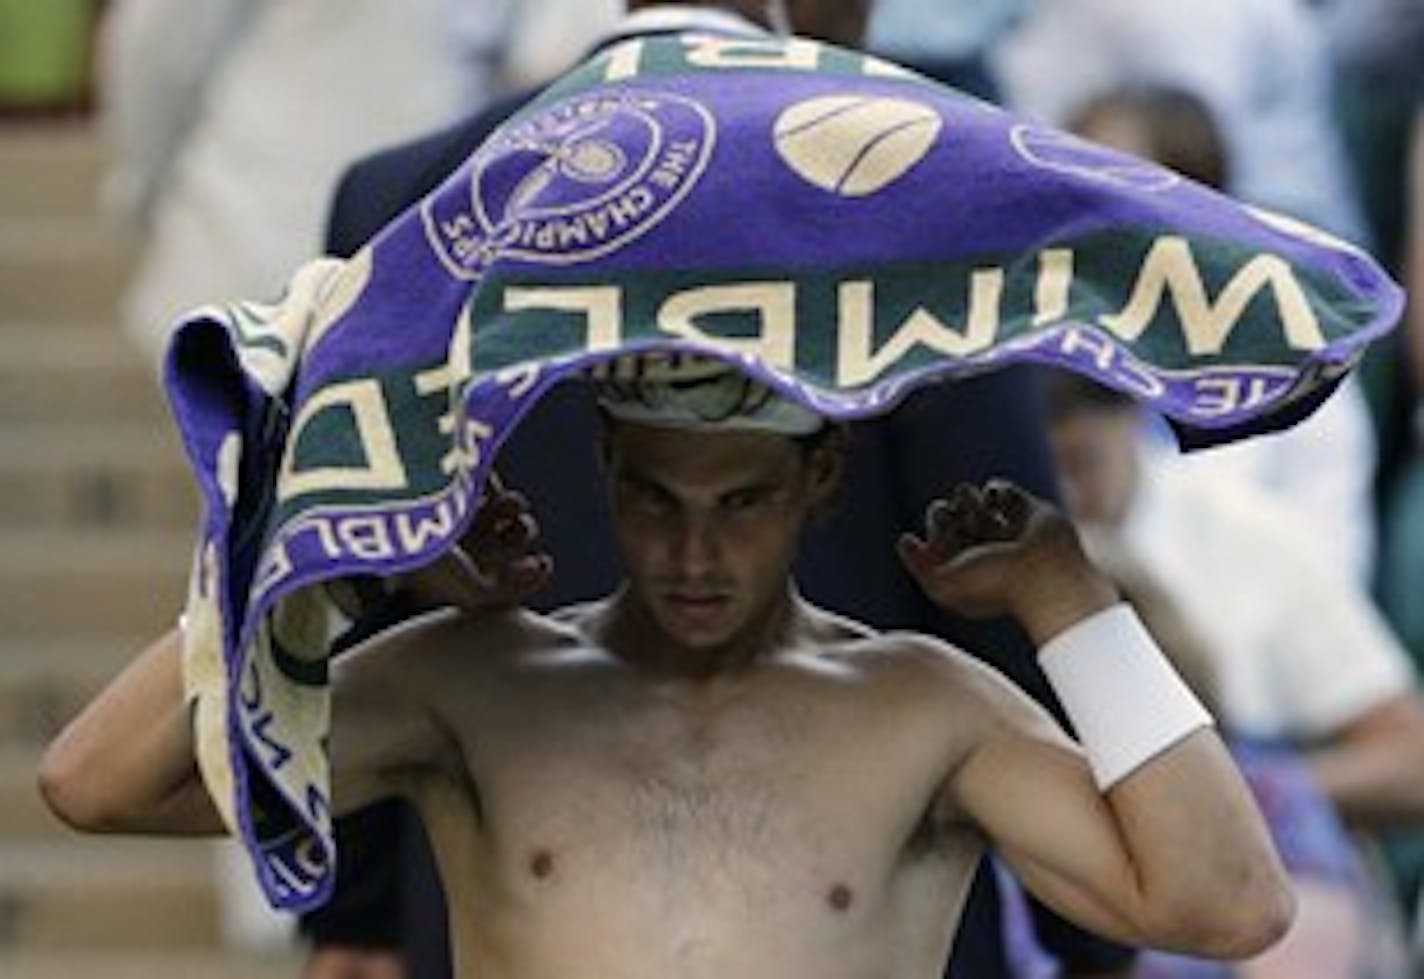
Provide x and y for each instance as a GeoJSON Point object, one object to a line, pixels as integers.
{"type": "Point", "coordinates": [696, 607]}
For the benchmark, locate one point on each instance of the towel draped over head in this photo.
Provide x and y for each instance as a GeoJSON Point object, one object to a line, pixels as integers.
{"type": "Point", "coordinates": [836, 229]}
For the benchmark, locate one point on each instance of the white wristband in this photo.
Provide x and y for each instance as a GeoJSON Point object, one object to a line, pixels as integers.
{"type": "Point", "coordinates": [1126, 702]}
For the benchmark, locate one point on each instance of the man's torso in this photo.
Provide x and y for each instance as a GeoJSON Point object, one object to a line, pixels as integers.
{"type": "Point", "coordinates": [787, 820]}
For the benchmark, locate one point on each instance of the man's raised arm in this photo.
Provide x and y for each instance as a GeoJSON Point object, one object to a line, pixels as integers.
{"type": "Point", "coordinates": [1147, 833]}
{"type": "Point", "coordinates": [127, 763]}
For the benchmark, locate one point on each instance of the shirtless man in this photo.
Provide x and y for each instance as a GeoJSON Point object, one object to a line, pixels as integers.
{"type": "Point", "coordinates": [703, 775]}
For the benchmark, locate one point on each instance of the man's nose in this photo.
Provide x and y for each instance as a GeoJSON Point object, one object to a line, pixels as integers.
{"type": "Point", "coordinates": [696, 549]}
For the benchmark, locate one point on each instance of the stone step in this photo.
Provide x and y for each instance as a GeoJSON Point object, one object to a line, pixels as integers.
{"type": "Point", "coordinates": [105, 475]}
{"type": "Point", "coordinates": [23, 816]}
{"type": "Point", "coordinates": [62, 270]}
{"type": "Point", "coordinates": [49, 170]}
{"type": "Point", "coordinates": [81, 372]}
{"type": "Point", "coordinates": [60, 258]}
{"type": "Point", "coordinates": [78, 585]}
{"type": "Point", "coordinates": [45, 682]}
{"type": "Point", "coordinates": [108, 892]}
{"type": "Point", "coordinates": [172, 964]}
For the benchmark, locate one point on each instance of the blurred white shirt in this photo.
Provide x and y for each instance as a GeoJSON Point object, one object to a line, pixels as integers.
{"type": "Point", "coordinates": [1298, 651]}
{"type": "Point", "coordinates": [1320, 472]}
{"type": "Point", "coordinates": [229, 120]}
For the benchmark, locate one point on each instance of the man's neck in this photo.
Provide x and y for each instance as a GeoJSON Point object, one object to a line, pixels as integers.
{"type": "Point", "coordinates": [630, 631]}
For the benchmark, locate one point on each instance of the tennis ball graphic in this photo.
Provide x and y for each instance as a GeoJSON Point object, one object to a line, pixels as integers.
{"type": "Point", "coordinates": [854, 145]}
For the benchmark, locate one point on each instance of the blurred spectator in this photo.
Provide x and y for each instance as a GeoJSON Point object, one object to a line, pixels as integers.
{"type": "Point", "coordinates": [1321, 469]}
{"type": "Point", "coordinates": [1298, 657]}
{"type": "Point", "coordinates": [227, 135]}
{"type": "Point", "coordinates": [1260, 66]}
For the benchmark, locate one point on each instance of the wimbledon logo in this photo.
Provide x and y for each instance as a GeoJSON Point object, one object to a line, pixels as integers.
{"type": "Point", "coordinates": [574, 182]}
{"type": "Point", "coordinates": [855, 145]}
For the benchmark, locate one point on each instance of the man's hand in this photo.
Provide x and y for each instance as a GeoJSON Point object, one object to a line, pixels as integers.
{"type": "Point", "coordinates": [997, 550]}
{"type": "Point", "coordinates": [496, 564]}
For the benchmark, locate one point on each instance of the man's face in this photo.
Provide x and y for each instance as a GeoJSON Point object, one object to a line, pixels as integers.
{"type": "Point", "coordinates": [1095, 450]}
{"type": "Point", "coordinates": [708, 524]}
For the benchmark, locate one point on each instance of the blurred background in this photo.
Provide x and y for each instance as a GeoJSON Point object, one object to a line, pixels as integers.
{"type": "Point", "coordinates": [95, 509]}
{"type": "Point", "coordinates": [157, 154]}
{"type": "Point", "coordinates": [109, 115]}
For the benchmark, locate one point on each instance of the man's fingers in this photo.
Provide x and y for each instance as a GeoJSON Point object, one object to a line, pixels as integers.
{"type": "Point", "coordinates": [496, 511]}
{"type": "Point", "coordinates": [915, 553]}
{"type": "Point", "coordinates": [518, 531]}
{"type": "Point", "coordinates": [1011, 506]}
{"type": "Point", "coordinates": [499, 504]}
{"type": "Point", "coordinates": [461, 580]}
{"type": "Point", "coordinates": [939, 523]}
{"type": "Point", "coordinates": [949, 522]}
{"type": "Point", "coordinates": [494, 563]}
{"type": "Point", "coordinates": [970, 517]}
{"type": "Point", "coordinates": [469, 565]}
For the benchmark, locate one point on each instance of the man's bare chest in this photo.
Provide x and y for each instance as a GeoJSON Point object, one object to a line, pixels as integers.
{"type": "Point", "coordinates": [733, 782]}
{"type": "Point", "coordinates": [783, 825]}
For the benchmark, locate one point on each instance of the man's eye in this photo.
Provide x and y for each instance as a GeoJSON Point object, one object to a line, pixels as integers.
{"type": "Point", "coordinates": [742, 501]}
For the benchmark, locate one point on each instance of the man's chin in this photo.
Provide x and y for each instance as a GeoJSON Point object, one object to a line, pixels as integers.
{"type": "Point", "coordinates": [698, 625]}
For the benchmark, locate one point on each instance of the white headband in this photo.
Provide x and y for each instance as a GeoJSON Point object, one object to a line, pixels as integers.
{"type": "Point", "coordinates": [696, 393]}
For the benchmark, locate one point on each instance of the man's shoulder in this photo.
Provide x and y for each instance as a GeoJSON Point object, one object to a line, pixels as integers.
{"type": "Point", "coordinates": [936, 690]}
{"type": "Point", "coordinates": [503, 633]}
{"type": "Point", "coordinates": [823, 627]}
{"type": "Point", "coordinates": [445, 643]}
{"type": "Point", "coordinates": [913, 661]}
